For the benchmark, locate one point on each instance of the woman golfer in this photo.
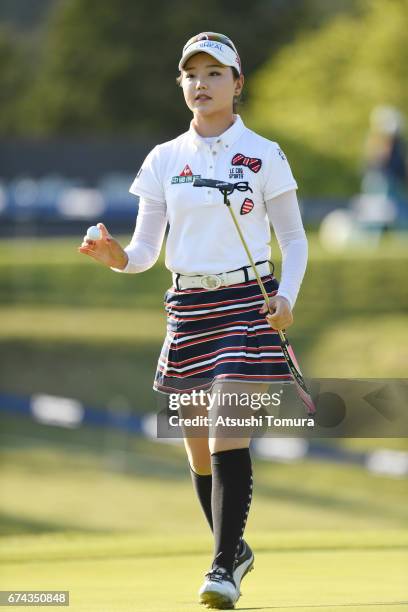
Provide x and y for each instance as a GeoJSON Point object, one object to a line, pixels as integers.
{"type": "Point", "coordinates": [220, 336]}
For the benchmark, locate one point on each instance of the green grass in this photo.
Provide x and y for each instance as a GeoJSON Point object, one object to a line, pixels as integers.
{"type": "Point", "coordinates": [113, 519]}
{"type": "Point", "coordinates": [122, 486]}
{"type": "Point", "coordinates": [123, 531]}
{"type": "Point", "coordinates": [292, 573]}
{"type": "Point", "coordinates": [366, 347]}
{"type": "Point", "coordinates": [63, 250]}
{"type": "Point", "coordinates": [52, 272]}
{"type": "Point", "coordinates": [70, 327]}
{"type": "Point", "coordinates": [96, 373]}
{"type": "Point", "coordinates": [90, 325]}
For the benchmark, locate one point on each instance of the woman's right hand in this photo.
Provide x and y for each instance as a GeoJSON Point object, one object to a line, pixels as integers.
{"type": "Point", "coordinates": [106, 250]}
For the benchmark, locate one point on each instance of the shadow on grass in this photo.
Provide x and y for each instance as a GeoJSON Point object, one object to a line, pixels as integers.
{"type": "Point", "coordinates": [11, 525]}
{"type": "Point", "coordinates": [333, 502]}
{"type": "Point", "coordinates": [99, 374]}
{"type": "Point", "coordinates": [39, 449]}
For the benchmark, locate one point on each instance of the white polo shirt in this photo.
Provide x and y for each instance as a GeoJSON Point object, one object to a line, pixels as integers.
{"type": "Point", "coordinates": [202, 237]}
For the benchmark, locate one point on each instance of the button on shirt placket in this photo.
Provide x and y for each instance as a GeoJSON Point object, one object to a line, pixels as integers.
{"type": "Point", "coordinates": [210, 166]}
{"type": "Point", "coordinates": [212, 157]}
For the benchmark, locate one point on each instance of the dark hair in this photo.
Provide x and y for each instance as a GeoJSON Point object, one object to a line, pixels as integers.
{"type": "Point", "coordinates": [236, 100]}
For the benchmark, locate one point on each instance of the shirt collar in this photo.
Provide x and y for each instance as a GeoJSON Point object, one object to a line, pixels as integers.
{"type": "Point", "coordinates": [226, 139]}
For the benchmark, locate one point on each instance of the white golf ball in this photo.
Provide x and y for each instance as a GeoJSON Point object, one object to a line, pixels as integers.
{"type": "Point", "coordinates": [93, 233]}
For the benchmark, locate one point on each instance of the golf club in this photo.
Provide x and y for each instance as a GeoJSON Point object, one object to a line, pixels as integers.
{"type": "Point", "coordinates": [226, 189]}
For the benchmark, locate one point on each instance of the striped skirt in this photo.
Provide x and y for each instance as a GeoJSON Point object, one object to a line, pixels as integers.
{"type": "Point", "coordinates": [219, 335]}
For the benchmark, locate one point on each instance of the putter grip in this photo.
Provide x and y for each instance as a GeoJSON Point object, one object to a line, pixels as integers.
{"type": "Point", "coordinates": [199, 182]}
{"type": "Point", "coordinates": [217, 184]}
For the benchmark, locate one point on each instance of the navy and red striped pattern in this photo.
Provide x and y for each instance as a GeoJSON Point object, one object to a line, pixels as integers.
{"type": "Point", "coordinates": [247, 206]}
{"type": "Point", "coordinates": [253, 163]}
{"type": "Point", "coordinates": [219, 334]}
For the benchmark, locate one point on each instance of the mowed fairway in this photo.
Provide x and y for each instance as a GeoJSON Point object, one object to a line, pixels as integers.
{"type": "Point", "coordinates": [64, 320]}
{"type": "Point", "coordinates": [299, 571]}
{"type": "Point", "coordinates": [125, 533]}
{"type": "Point", "coordinates": [113, 518]}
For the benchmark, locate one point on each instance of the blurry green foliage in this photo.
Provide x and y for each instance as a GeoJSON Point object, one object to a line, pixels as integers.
{"type": "Point", "coordinates": [13, 80]}
{"type": "Point", "coordinates": [110, 67]}
{"type": "Point", "coordinates": [316, 94]}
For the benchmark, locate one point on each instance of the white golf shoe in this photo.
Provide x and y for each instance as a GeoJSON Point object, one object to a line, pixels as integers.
{"type": "Point", "coordinates": [219, 590]}
{"type": "Point", "coordinates": [243, 564]}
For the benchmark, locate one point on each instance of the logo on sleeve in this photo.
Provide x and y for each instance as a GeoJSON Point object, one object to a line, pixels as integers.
{"type": "Point", "coordinates": [253, 163]}
{"type": "Point", "coordinates": [247, 206]}
{"type": "Point", "coordinates": [185, 176]}
{"type": "Point", "coordinates": [281, 154]}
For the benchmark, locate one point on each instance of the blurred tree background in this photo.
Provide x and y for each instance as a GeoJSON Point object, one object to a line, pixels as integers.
{"type": "Point", "coordinates": [87, 86]}
{"type": "Point", "coordinates": [314, 71]}
{"type": "Point", "coordinates": [317, 93]}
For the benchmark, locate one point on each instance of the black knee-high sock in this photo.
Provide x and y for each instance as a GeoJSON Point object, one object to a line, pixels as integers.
{"type": "Point", "coordinates": [203, 485]}
{"type": "Point", "coordinates": [231, 500]}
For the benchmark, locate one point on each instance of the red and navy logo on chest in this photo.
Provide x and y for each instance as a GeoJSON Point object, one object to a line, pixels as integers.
{"type": "Point", "coordinates": [185, 176]}
{"type": "Point", "coordinates": [247, 206]}
{"type": "Point", "coordinates": [253, 163]}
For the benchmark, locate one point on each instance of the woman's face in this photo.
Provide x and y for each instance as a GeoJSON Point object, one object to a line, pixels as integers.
{"type": "Point", "coordinates": [208, 86]}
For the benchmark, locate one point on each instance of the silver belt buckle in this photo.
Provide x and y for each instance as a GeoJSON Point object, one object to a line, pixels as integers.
{"type": "Point", "coordinates": [210, 281]}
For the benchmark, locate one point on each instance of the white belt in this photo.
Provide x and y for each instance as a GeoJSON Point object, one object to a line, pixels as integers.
{"type": "Point", "coordinates": [214, 281]}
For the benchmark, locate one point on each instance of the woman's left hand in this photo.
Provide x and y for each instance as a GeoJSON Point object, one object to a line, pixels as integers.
{"type": "Point", "coordinates": [280, 316]}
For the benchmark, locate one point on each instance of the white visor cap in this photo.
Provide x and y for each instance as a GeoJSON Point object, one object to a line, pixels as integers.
{"type": "Point", "coordinates": [223, 53]}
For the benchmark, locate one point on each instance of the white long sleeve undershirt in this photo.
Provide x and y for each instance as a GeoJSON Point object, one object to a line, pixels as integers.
{"type": "Point", "coordinates": [284, 216]}
{"type": "Point", "coordinates": [144, 248]}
